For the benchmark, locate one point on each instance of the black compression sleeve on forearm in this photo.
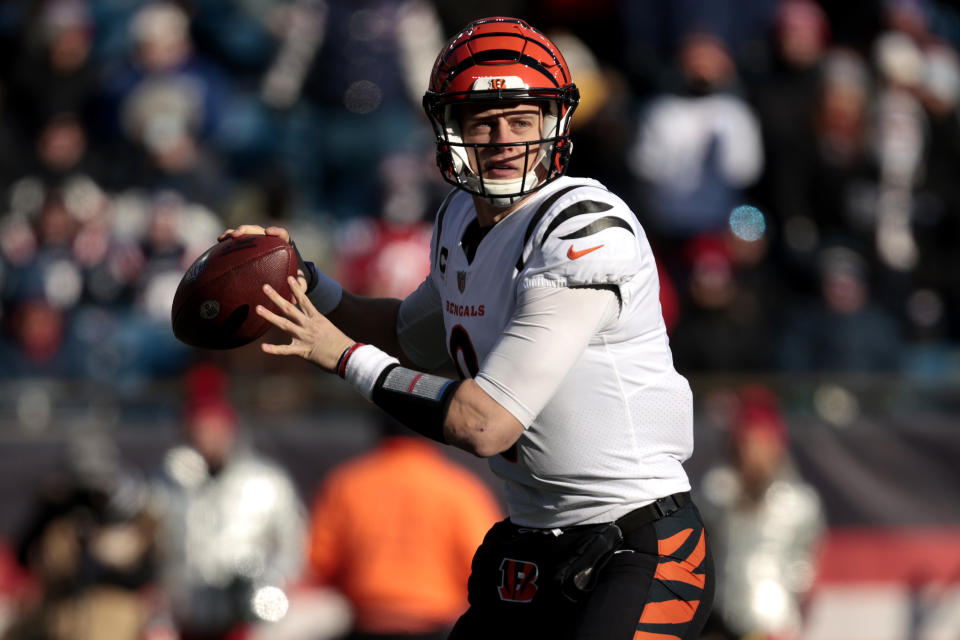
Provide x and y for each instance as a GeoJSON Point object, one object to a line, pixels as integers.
{"type": "Point", "coordinates": [417, 400]}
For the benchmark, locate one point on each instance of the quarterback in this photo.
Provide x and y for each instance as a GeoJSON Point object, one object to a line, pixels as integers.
{"type": "Point", "coordinates": [536, 341]}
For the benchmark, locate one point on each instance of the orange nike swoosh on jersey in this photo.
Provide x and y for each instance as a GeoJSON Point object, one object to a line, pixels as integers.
{"type": "Point", "coordinates": [573, 255]}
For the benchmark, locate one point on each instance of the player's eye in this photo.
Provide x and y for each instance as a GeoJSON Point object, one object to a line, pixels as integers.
{"type": "Point", "coordinates": [479, 127]}
{"type": "Point", "coordinates": [523, 124]}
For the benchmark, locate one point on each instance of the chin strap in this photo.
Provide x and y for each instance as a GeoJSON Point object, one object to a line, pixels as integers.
{"type": "Point", "coordinates": [491, 190]}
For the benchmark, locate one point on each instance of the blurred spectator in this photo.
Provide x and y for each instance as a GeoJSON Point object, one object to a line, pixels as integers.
{"type": "Point", "coordinates": [12, 140]}
{"type": "Point", "coordinates": [239, 36]}
{"type": "Point", "coordinates": [389, 255]}
{"type": "Point", "coordinates": [34, 341]}
{"type": "Point", "coordinates": [395, 531]}
{"type": "Point", "coordinates": [766, 524]}
{"type": "Point", "coordinates": [833, 179]}
{"type": "Point", "coordinates": [844, 330]}
{"type": "Point", "coordinates": [161, 57]}
{"type": "Point", "coordinates": [173, 238]}
{"type": "Point", "coordinates": [63, 153]}
{"type": "Point", "coordinates": [652, 31]}
{"type": "Point", "coordinates": [232, 524]}
{"type": "Point", "coordinates": [669, 299]}
{"type": "Point", "coordinates": [163, 104]}
{"type": "Point", "coordinates": [39, 244]}
{"type": "Point", "coordinates": [899, 141]}
{"type": "Point", "coordinates": [698, 145]}
{"type": "Point", "coordinates": [909, 17]}
{"type": "Point", "coordinates": [90, 548]}
{"type": "Point", "coordinates": [42, 283]}
{"type": "Point", "coordinates": [135, 280]}
{"type": "Point", "coordinates": [55, 72]}
{"type": "Point", "coordinates": [786, 101]}
{"type": "Point", "coordinates": [12, 586]}
{"type": "Point", "coordinates": [603, 122]}
{"type": "Point", "coordinates": [937, 223]}
{"type": "Point", "coordinates": [291, 111]}
{"type": "Point", "coordinates": [364, 87]}
{"type": "Point", "coordinates": [97, 298]}
{"type": "Point", "coordinates": [725, 324]}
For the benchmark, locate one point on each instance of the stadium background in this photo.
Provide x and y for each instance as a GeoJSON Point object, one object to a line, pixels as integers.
{"type": "Point", "coordinates": [117, 171]}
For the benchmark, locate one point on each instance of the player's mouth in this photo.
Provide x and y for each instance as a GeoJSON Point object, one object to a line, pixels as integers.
{"type": "Point", "coordinates": [501, 170]}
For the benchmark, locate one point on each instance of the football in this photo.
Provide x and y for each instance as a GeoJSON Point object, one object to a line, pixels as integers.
{"type": "Point", "coordinates": [214, 306]}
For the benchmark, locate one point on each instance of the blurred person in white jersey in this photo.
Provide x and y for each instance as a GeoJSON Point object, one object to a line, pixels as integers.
{"type": "Point", "coordinates": [543, 298]}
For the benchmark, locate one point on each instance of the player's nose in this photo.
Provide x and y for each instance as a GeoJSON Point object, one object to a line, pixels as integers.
{"type": "Point", "coordinates": [502, 134]}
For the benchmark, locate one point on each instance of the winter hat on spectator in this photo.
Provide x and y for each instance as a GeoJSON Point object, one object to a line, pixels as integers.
{"type": "Point", "coordinates": [759, 413]}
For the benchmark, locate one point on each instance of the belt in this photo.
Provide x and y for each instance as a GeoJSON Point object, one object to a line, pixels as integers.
{"type": "Point", "coordinates": [654, 511]}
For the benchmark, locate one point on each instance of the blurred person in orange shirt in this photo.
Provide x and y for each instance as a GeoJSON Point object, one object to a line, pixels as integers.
{"type": "Point", "coordinates": [395, 531]}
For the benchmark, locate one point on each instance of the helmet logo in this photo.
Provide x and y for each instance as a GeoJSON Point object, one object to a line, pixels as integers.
{"type": "Point", "coordinates": [498, 83]}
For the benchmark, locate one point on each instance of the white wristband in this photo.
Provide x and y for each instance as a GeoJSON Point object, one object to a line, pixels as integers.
{"type": "Point", "coordinates": [326, 294]}
{"type": "Point", "coordinates": [363, 365]}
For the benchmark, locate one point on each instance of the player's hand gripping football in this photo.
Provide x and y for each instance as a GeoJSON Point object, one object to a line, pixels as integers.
{"type": "Point", "coordinates": [313, 337]}
{"type": "Point", "coordinates": [255, 230]}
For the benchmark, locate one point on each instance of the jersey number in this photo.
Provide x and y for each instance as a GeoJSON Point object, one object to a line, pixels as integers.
{"type": "Point", "coordinates": [465, 357]}
{"type": "Point", "coordinates": [463, 354]}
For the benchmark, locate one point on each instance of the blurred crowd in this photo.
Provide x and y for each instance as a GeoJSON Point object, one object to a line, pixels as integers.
{"type": "Point", "coordinates": [793, 163]}
{"type": "Point", "coordinates": [215, 540]}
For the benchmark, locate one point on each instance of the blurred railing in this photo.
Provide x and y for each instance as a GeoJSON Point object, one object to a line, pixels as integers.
{"type": "Point", "coordinates": [34, 406]}
{"type": "Point", "coordinates": [895, 432]}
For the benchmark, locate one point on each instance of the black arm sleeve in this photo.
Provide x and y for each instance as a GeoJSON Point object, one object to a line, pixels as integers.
{"type": "Point", "coordinates": [417, 400]}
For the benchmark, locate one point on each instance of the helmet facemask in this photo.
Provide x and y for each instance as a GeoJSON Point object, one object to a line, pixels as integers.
{"type": "Point", "coordinates": [454, 154]}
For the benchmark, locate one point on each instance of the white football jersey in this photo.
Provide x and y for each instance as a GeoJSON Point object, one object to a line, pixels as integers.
{"type": "Point", "coordinates": [615, 434]}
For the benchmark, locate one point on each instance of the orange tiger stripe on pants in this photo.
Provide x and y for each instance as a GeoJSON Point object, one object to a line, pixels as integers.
{"type": "Point", "coordinates": [679, 580]}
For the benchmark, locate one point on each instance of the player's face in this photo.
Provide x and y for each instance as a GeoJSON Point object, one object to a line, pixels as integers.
{"type": "Point", "coordinates": [506, 125]}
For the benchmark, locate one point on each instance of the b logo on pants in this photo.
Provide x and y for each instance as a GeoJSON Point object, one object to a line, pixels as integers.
{"type": "Point", "coordinates": [518, 580]}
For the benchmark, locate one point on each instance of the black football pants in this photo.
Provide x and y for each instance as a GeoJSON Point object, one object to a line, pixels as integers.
{"type": "Point", "coordinates": [659, 584]}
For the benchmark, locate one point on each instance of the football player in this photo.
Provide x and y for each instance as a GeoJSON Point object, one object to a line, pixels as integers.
{"type": "Point", "coordinates": [543, 296]}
